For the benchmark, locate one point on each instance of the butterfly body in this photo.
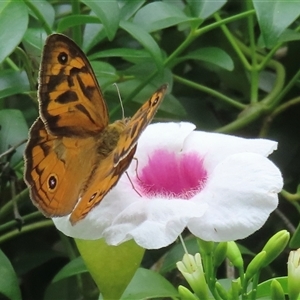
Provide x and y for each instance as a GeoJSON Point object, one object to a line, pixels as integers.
{"type": "Point", "coordinates": [74, 156]}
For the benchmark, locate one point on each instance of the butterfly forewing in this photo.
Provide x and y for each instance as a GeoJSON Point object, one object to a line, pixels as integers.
{"type": "Point", "coordinates": [110, 170]}
{"type": "Point", "coordinates": [138, 123]}
{"type": "Point", "coordinates": [104, 179]}
{"type": "Point", "coordinates": [71, 102]}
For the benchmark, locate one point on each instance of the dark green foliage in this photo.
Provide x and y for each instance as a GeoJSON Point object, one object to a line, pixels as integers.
{"type": "Point", "coordinates": [232, 66]}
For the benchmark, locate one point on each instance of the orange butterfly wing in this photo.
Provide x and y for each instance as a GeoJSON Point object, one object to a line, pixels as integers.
{"type": "Point", "coordinates": [110, 170]}
{"type": "Point", "coordinates": [56, 169]}
{"type": "Point", "coordinates": [71, 102]}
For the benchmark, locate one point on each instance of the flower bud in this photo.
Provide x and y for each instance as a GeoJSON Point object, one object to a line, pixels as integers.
{"type": "Point", "coordinates": [221, 291]}
{"type": "Point", "coordinates": [186, 294]}
{"type": "Point", "coordinates": [234, 255]}
{"type": "Point", "coordinates": [192, 270]}
{"type": "Point", "coordinates": [220, 253]}
{"type": "Point", "coordinates": [275, 246]}
{"type": "Point", "coordinates": [294, 274]}
{"type": "Point", "coordinates": [277, 292]}
{"type": "Point", "coordinates": [255, 265]}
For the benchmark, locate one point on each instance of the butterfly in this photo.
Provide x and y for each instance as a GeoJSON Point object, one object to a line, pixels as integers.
{"type": "Point", "coordinates": [74, 156]}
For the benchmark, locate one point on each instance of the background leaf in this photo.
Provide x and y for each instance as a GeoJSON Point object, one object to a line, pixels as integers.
{"type": "Point", "coordinates": [74, 267]}
{"type": "Point", "coordinates": [14, 19]}
{"type": "Point", "coordinates": [9, 285]}
{"type": "Point", "coordinates": [204, 8]}
{"type": "Point", "coordinates": [159, 15]}
{"type": "Point", "coordinates": [157, 286]}
{"type": "Point", "coordinates": [212, 55]}
{"type": "Point", "coordinates": [274, 17]}
{"type": "Point", "coordinates": [13, 130]}
{"type": "Point", "coordinates": [109, 14]}
{"type": "Point", "coordinates": [145, 39]}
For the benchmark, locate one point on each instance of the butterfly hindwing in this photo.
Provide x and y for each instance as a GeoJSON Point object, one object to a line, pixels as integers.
{"type": "Point", "coordinates": [56, 170]}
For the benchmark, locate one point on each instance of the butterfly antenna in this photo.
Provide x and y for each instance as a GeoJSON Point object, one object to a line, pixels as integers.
{"type": "Point", "coordinates": [121, 103]}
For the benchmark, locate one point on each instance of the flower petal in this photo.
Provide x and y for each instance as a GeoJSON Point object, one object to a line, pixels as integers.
{"type": "Point", "coordinates": [161, 136]}
{"type": "Point", "coordinates": [241, 193]}
{"type": "Point", "coordinates": [153, 223]}
{"type": "Point", "coordinates": [214, 147]}
{"type": "Point", "coordinates": [101, 216]}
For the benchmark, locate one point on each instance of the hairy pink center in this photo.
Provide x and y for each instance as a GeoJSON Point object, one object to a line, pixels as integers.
{"type": "Point", "coordinates": [172, 175]}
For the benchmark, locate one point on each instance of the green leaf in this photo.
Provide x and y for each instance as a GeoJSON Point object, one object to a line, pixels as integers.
{"type": "Point", "coordinates": [109, 14]}
{"type": "Point", "coordinates": [289, 35]}
{"type": "Point", "coordinates": [132, 104]}
{"type": "Point", "coordinates": [75, 20]}
{"type": "Point", "coordinates": [159, 15]}
{"type": "Point", "coordinates": [34, 255]}
{"type": "Point", "coordinates": [70, 289]}
{"type": "Point", "coordinates": [46, 11]}
{"type": "Point", "coordinates": [170, 106]}
{"type": "Point", "coordinates": [147, 284]}
{"type": "Point", "coordinates": [12, 83]}
{"type": "Point", "coordinates": [74, 267]}
{"type": "Point", "coordinates": [212, 55]}
{"type": "Point", "coordinates": [204, 8]}
{"type": "Point", "coordinates": [33, 42]}
{"type": "Point", "coordinates": [14, 20]}
{"type": "Point", "coordinates": [146, 40]}
{"type": "Point", "coordinates": [93, 34]}
{"type": "Point", "coordinates": [13, 130]}
{"type": "Point", "coordinates": [106, 74]}
{"type": "Point", "coordinates": [132, 55]}
{"type": "Point", "coordinates": [130, 8]}
{"type": "Point", "coordinates": [263, 289]}
{"type": "Point", "coordinates": [9, 285]}
{"type": "Point", "coordinates": [274, 17]}
{"type": "Point", "coordinates": [295, 240]}
{"type": "Point", "coordinates": [142, 70]}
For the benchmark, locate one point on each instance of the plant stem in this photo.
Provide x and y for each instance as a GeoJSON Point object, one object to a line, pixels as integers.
{"type": "Point", "coordinates": [233, 43]}
{"type": "Point", "coordinates": [286, 89]}
{"type": "Point", "coordinates": [280, 109]}
{"type": "Point", "coordinates": [27, 66]}
{"type": "Point", "coordinates": [254, 71]}
{"type": "Point", "coordinates": [27, 228]}
{"type": "Point", "coordinates": [210, 91]}
{"type": "Point", "coordinates": [77, 36]}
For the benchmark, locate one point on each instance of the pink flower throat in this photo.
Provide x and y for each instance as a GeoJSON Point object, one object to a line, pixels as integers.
{"type": "Point", "coordinates": [172, 175]}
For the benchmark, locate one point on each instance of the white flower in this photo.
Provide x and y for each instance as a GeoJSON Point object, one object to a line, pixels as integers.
{"type": "Point", "coordinates": [220, 187]}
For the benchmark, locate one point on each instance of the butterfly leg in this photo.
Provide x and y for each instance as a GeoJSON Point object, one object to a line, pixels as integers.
{"type": "Point", "coordinates": [136, 168]}
{"type": "Point", "coordinates": [132, 184]}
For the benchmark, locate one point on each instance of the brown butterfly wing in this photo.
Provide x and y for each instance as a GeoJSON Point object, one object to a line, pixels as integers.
{"type": "Point", "coordinates": [105, 178]}
{"type": "Point", "coordinates": [137, 124]}
{"type": "Point", "coordinates": [111, 168]}
{"type": "Point", "coordinates": [56, 169]}
{"type": "Point", "coordinates": [71, 102]}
